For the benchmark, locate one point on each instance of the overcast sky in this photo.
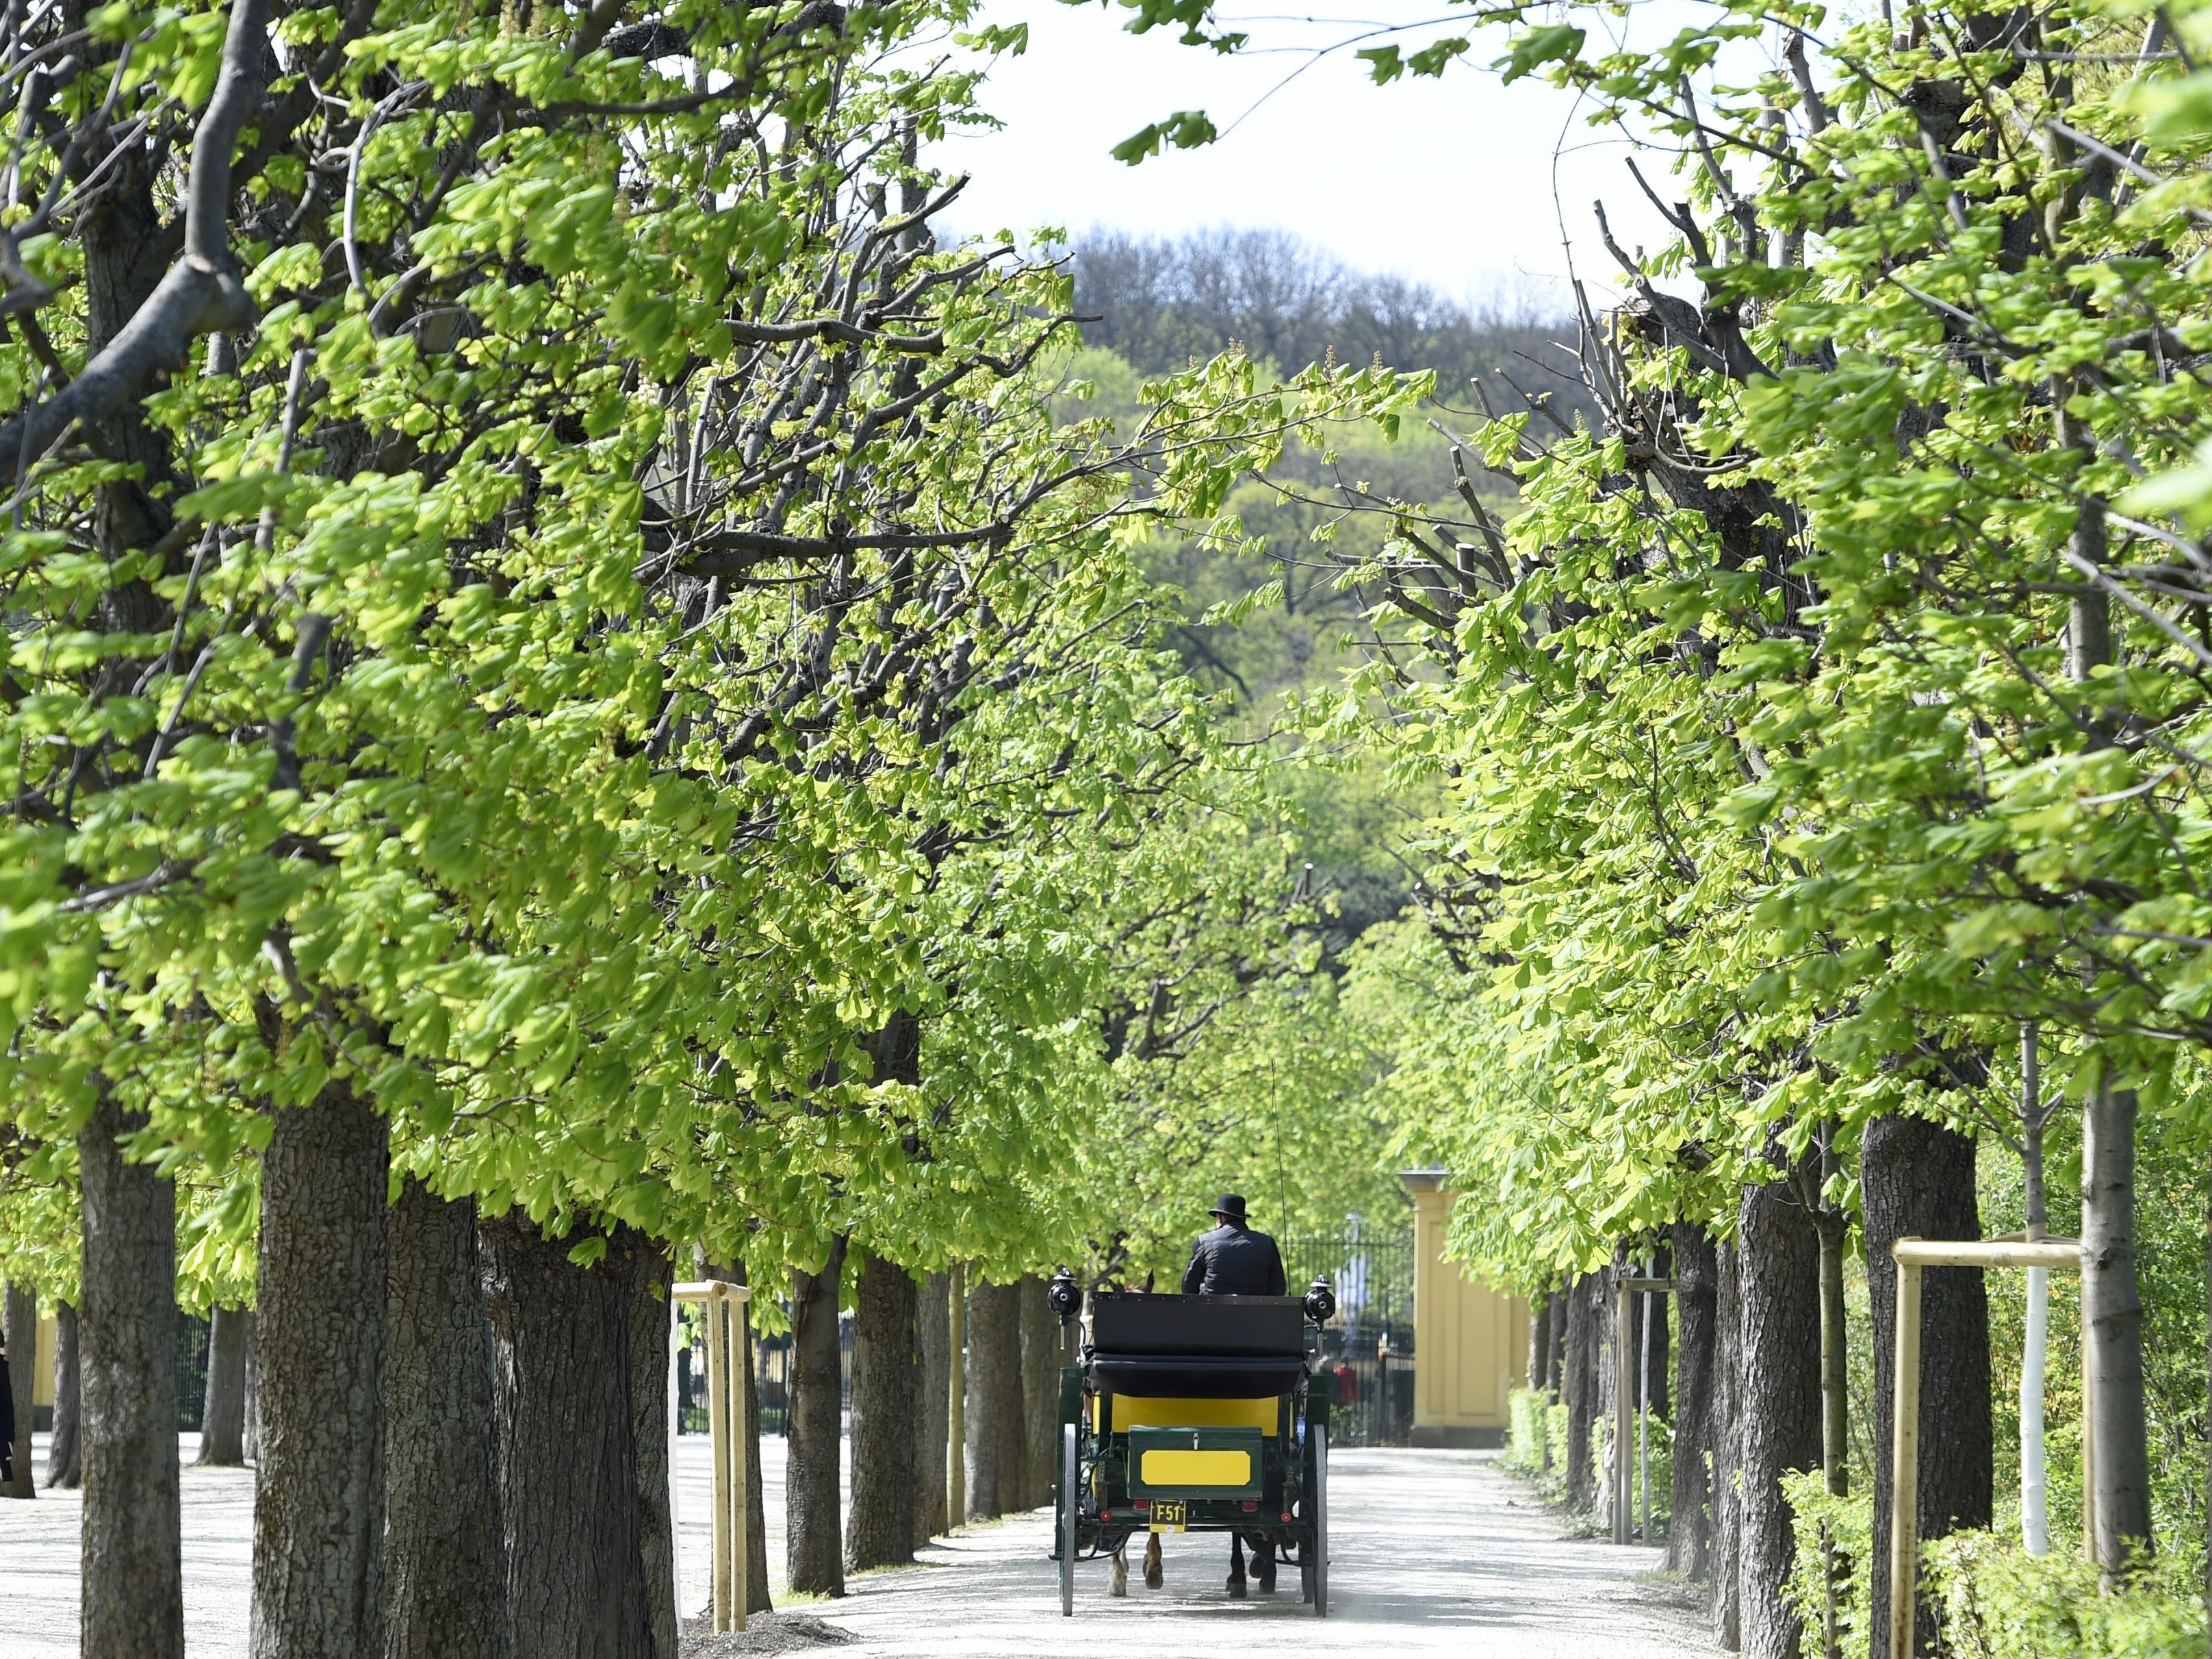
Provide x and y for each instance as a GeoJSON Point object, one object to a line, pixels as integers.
{"type": "Point", "coordinates": [1451, 183]}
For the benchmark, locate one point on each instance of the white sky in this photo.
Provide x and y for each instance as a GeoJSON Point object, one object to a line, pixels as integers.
{"type": "Point", "coordinates": [1448, 182]}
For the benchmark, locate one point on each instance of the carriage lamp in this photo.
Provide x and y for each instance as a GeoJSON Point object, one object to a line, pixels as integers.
{"type": "Point", "coordinates": [1062, 1295]}
{"type": "Point", "coordinates": [1321, 1301]}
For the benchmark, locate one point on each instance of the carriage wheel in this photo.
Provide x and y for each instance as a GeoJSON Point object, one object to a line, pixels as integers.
{"type": "Point", "coordinates": [1316, 1575]}
{"type": "Point", "coordinates": [1071, 1506]}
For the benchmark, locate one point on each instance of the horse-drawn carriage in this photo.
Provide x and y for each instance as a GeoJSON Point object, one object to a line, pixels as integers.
{"type": "Point", "coordinates": [1195, 1414]}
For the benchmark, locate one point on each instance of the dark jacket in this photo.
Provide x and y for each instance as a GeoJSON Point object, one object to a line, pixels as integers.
{"type": "Point", "coordinates": [1233, 1261]}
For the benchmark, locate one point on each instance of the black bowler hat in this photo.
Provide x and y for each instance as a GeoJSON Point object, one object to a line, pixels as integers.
{"type": "Point", "coordinates": [1231, 1205]}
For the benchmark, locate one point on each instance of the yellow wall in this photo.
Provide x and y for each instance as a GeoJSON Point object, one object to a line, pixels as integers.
{"type": "Point", "coordinates": [1470, 1342]}
{"type": "Point", "coordinates": [42, 1380]}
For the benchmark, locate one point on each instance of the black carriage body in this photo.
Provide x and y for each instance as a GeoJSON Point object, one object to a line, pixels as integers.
{"type": "Point", "coordinates": [1195, 1413]}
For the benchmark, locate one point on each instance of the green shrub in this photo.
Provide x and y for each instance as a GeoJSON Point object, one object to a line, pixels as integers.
{"type": "Point", "coordinates": [1829, 1528]}
{"type": "Point", "coordinates": [1998, 1602]}
{"type": "Point", "coordinates": [1527, 1432]}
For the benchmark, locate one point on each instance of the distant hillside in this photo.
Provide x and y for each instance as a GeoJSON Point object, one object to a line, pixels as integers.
{"type": "Point", "coordinates": [1160, 302]}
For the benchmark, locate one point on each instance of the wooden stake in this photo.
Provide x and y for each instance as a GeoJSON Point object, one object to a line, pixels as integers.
{"type": "Point", "coordinates": [740, 1442]}
{"type": "Point", "coordinates": [956, 1415]}
{"type": "Point", "coordinates": [717, 1430]}
{"type": "Point", "coordinates": [1624, 1415]}
{"type": "Point", "coordinates": [1905, 1463]}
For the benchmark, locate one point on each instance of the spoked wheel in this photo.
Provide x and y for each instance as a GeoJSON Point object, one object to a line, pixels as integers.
{"type": "Point", "coordinates": [1316, 1574]}
{"type": "Point", "coordinates": [1071, 1507]}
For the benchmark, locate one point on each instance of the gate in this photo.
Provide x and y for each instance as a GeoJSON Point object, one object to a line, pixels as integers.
{"type": "Point", "coordinates": [1369, 1346]}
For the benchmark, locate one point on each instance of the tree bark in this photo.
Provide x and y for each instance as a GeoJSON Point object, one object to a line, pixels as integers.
{"type": "Point", "coordinates": [879, 1533]}
{"type": "Point", "coordinates": [1916, 1178]}
{"type": "Point", "coordinates": [445, 1561]}
{"type": "Point", "coordinates": [1779, 1404]}
{"type": "Point", "coordinates": [1655, 1312]}
{"type": "Point", "coordinates": [995, 1400]}
{"type": "Point", "coordinates": [956, 1395]}
{"type": "Point", "coordinates": [651, 1310]}
{"type": "Point", "coordinates": [253, 1388]}
{"type": "Point", "coordinates": [575, 1585]}
{"type": "Point", "coordinates": [65, 1459]}
{"type": "Point", "coordinates": [1696, 1270]}
{"type": "Point", "coordinates": [20, 1320]}
{"type": "Point", "coordinates": [222, 1409]}
{"type": "Point", "coordinates": [1726, 1425]}
{"type": "Point", "coordinates": [1555, 1345]}
{"type": "Point", "coordinates": [2113, 1315]}
{"type": "Point", "coordinates": [814, 1557]}
{"type": "Point", "coordinates": [1605, 1417]}
{"type": "Point", "coordinates": [757, 1595]}
{"type": "Point", "coordinates": [1539, 1340]}
{"type": "Point", "coordinates": [934, 1325]}
{"type": "Point", "coordinates": [1580, 1367]}
{"type": "Point", "coordinates": [1041, 1350]}
{"type": "Point", "coordinates": [318, 1507]}
{"type": "Point", "coordinates": [133, 1598]}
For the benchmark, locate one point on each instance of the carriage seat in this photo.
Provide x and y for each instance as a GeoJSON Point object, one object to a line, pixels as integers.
{"type": "Point", "coordinates": [1197, 1347]}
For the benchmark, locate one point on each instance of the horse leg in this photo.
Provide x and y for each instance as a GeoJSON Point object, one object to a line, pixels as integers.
{"type": "Point", "coordinates": [1236, 1566]}
{"type": "Point", "coordinates": [1152, 1573]}
{"type": "Point", "coordinates": [1263, 1563]}
{"type": "Point", "coordinates": [1122, 1568]}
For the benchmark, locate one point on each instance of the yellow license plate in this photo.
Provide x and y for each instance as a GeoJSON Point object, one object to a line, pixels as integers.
{"type": "Point", "coordinates": [1168, 1515]}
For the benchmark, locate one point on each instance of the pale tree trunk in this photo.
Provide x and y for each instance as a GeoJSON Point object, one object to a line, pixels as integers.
{"type": "Point", "coordinates": [1041, 1350]}
{"type": "Point", "coordinates": [1916, 1179]}
{"type": "Point", "coordinates": [2111, 1318]}
{"type": "Point", "coordinates": [567, 1457]}
{"type": "Point", "coordinates": [814, 1555]}
{"type": "Point", "coordinates": [133, 1597]}
{"type": "Point", "coordinates": [19, 1319]}
{"type": "Point", "coordinates": [2112, 1300]}
{"type": "Point", "coordinates": [933, 1327]}
{"type": "Point", "coordinates": [222, 1409]}
{"type": "Point", "coordinates": [1555, 1345]}
{"type": "Point", "coordinates": [995, 1400]}
{"type": "Point", "coordinates": [956, 1396]}
{"type": "Point", "coordinates": [1689, 1535]}
{"type": "Point", "coordinates": [2034, 1479]}
{"type": "Point", "coordinates": [1605, 1417]}
{"type": "Point", "coordinates": [444, 1559]}
{"type": "Point", "coordinates": [319, 1506]}
{"type": "Point", "coordinates": [1779, 1406]}
{"type": "Point", "coordinates": [879, 1533]}
{"type": "Point", "coordinates": [64, 1459]}
{"type": "Point", "coordinates": [1539, 1340]}
{"type": "Point", "coordinates": [1726, 1420]}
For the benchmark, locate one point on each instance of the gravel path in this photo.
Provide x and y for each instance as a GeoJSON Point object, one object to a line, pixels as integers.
{"type": "Point", "coordinates": [1435, 1552]}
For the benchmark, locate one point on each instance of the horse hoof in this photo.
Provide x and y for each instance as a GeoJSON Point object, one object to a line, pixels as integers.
{"type": "Point", "coordinates": [1236, 1589]}
{"type": "Point", "coordinates": [1266, 1587]}
{"type": "Point", "coordinates": [1153, 1578]}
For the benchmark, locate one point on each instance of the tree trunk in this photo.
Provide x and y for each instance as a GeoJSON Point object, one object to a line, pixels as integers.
{"type": "Point", "coordinates": [64, 1459]}
{"type": "Point", "coordinates": [956, 1396]}
{"type": "Point", "coordinates": [2112, 1317]}
{"type": "Point", "coordinates": [1689, 1536]}
{"type": "Point", "coordinates": [253, 1388]}
{"type": "Point", "coordinates": [1833, 1230]}
{"type": "Point", "coordinates": [1779, 1405]}
{"type": "Point", "coordinates": [445, 1563]}
{"type": "Point", "coordinates": [1555, 1345]}
{"type": "Point", "coordinates": [814, 1555]}
{"type": "Point", "coordinates": [934, 1325]}
{"type": "Point", "coordinates": [19, 1318]}
{"type": "Point", "coordinates": [318, 1507]}
{"type": "Point", "coordinates": [1581, 1366]}
{"type": "Point", "coordinates": [1726, 1420]}
{"type": "Point", "coordinates": [1605, 1418]}
{"type": "Point", "coordinates": [133, 1597]}
{"type": "Point", "coordinates": [1916, 1178]}
{"type": "Point", "coordinates": [879, 1533]}
{"type": "Point", "coordinates": [757, 1595]}
{"type": "Point", "coordinates": [650, 1313]}
{"type": "Point", "coordinates": [568, 1458]}
{"type": "Point", "coordinates": [1539, 1340]}
{"type": "Point", "coordinates": [1041, 1349]}
{"type": "Point", "coordinates": [1655, 1313]}
{"type": "Point", "coordinates": [222, 1409]}
{"type": "Point", "coordinates": [995, 1400]}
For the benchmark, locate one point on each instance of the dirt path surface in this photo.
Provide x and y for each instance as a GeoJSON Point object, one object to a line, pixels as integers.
{"type": "Point", "coordinates": [1435, 1552]}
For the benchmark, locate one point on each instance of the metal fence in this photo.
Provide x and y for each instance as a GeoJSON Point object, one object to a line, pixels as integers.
{"type": "Point", "coordinates": [192, 1370]}
{"type": "Point", "coordinates": [1369, 1346]}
